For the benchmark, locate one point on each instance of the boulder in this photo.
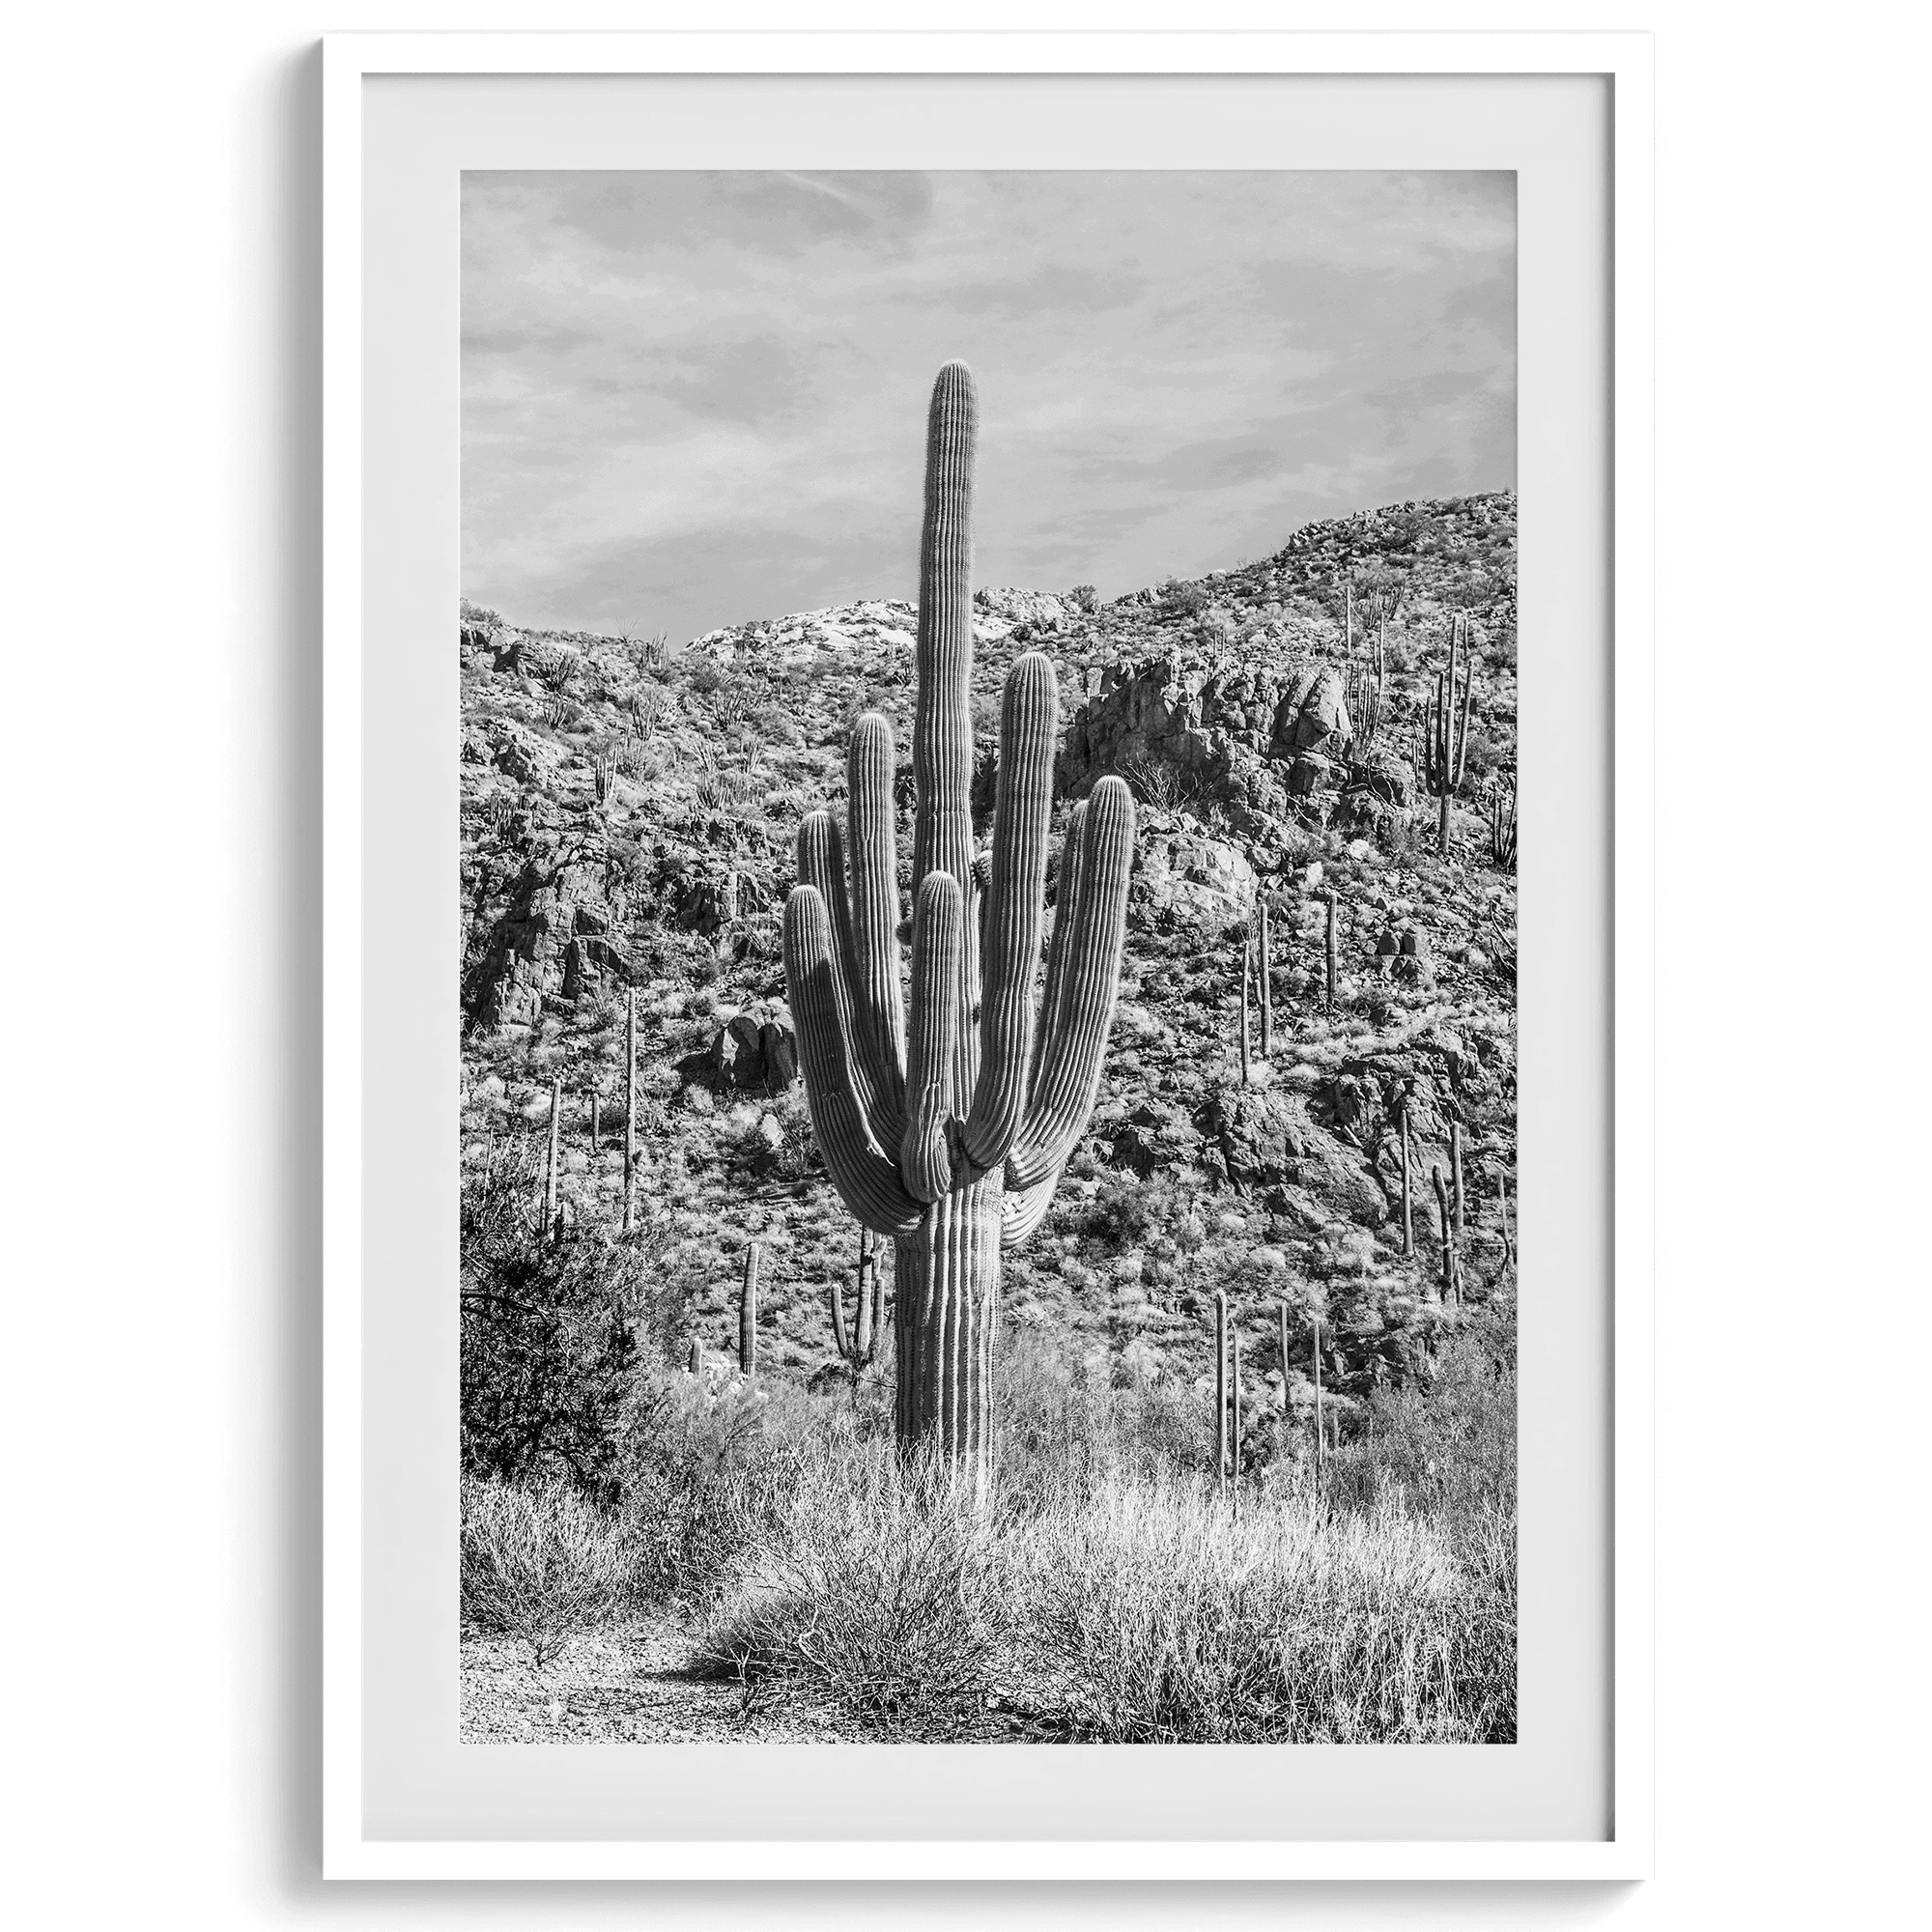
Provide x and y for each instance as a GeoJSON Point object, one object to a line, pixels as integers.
{"type": "Point", "coordinates": [1313, 713]}
{"type": "Point", "coordinates": [1186, 872]}
{"type": "Point", "coordinates": [754, 1050]}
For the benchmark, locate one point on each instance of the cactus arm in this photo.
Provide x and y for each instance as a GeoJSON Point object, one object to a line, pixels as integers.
{"type": "Point", "coordinates": [1066, 898]}
{"type": "Point", "coordinates": [1070, 1066]}
{"type": "Point", "coordinates": [867, 1182]}
{"type": "Point", "coordinates": [821, 866]}
{"type": "Point", "coordinates": [840, 1340]}
{"type": "Point", "coordinates": [876, 913]}
{"type": "Point", "coordinates": [941, 745]}
{"type": "Point", "coordinates": [938, 939]}
{"type": "Point", "coordinates": [1014, 908]}
{"type": "Point", "coordinates": [1023, 1209]}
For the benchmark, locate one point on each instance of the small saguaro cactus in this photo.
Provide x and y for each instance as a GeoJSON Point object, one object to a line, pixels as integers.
{"type": "Point", "coordinates": [1266, 987]}
{"type": "Point", "coordinates": [1315, 1358]}
{"type": "Point", "coordinates": [1452, 1274]}
{"type": "Point", "coordinates": [1455, 1174]}
{"type": "Point", "coordinates": [1331, 949]}
{"type": "Point", "coordinates": [1221, 1390]}
{"type": "Point", "coordinates": [1502, 823]}
{"type": "Point", "coordinates": [858, 1343]}
{"type": "Point", "coordinates": [748, 1313]}
{"type": "Point", "coordinates": [1247, 975]}
{"type": "Point", "coordinates": [629, 1108]}
{"type": "Point", "coordinates": [1407, 1195]}
{"type": "Point", "coordinates": [1235, 1415]}
{"type": "Point", "coordinates": [945, 1123]}
{"type": "Point", "coordinates": [694, 1361]}
{"type": "Point", "coordinates": [604, 776]}
{"type": "Point", "coordinates": [551, 1215]}
{"type": "Point", "coordinates": [1445, 745]}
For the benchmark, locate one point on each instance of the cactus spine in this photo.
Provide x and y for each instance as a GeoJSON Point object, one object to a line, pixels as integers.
{"type": "Point", "coordinates": [748, 1313]}
{"type": "Point", "coordinates": [630, 1110]}
{"type": "Point", "coordinates": [946, 1126]}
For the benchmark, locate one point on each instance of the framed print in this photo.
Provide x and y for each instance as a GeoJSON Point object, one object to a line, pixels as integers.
{"type": "Point", "coordinates": [956, 1127]}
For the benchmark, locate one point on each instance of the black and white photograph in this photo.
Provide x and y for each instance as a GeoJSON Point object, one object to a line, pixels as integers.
{"type": "Point", "coordinates": [988, 991]}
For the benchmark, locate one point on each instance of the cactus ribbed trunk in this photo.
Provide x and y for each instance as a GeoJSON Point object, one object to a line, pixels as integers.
{"type": "Point", "coordinates": [948, 1275]}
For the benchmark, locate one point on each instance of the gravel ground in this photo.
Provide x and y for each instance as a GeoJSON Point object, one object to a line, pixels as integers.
{"type": "Point", "coordinates": [626, 1684]}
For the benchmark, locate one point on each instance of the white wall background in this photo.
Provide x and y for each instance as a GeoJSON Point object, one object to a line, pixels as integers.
{"type": "Point", "coordinates": [157, 1326]}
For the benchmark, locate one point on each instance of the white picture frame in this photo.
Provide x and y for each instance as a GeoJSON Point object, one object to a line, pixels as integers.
{"type": "Point", "coordinates": [351, 63]}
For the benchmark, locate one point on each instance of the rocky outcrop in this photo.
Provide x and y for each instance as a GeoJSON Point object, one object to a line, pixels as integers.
{"type": "Point", "coordinates": [1206, 726]}
{"type": "Point", "coordinates": [1264, 1141]}
{"type": "Point", "coordinates": [554, 942]}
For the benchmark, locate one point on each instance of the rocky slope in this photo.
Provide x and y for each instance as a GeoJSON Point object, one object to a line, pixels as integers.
{"type": "Point", "coordinates": [628, 809]}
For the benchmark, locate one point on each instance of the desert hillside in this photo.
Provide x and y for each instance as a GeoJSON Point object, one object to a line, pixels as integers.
{"type": "Point", "coordinates": [628, 810]}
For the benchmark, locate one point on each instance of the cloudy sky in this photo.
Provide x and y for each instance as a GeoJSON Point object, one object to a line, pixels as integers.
{"type": "Point", "coordinates": [691, 399]}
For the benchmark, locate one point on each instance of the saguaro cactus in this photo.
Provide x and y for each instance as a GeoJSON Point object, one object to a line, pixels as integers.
{"type": "Point", "coordinates": [1503, 824]}
{"type": "Point", "coordinates": [748, 1313]}
{"type": "Point", "coordinates": [1445, 733]}
{"type": "Point", "coordinates": [1247, 975]}
{"type": "Point", "coordinates": [1221, 1390]}
{"type": "Point", "coordinates": [552, 1216]}
{"type": "Point", "coordinates": [945, 1124]}
{"type": "Point", "coordinates": [858, 1343]}
{"type": "Point", "coordinates": [1234, 1416]}
{"type": "Point", "coordinates": [1452, 1272]}
{"type": "Point", "coordinates": [1331, 949]}
{"type": "Point", "coordinates": [1320, 1436]}
{"type": "Point", "coordinates": [1267, 991]}
{"type": "Point", "coordinates": [629, 1109]}
{"type": "Point", "coordinates": [1407, 1195]}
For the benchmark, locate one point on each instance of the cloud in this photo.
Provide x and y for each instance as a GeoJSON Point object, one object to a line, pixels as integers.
{"type": "Point", "coordinates": [692, 398]}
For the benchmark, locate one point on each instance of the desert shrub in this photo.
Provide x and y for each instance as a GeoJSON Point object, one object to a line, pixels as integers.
{"type": "Point", "coordinates": [538, 1562]}
{"type": "Point", "coordinates": [1151, 1615]}
{"type": "Point", "coordinates": [870, 1589]}
{"type": "Point", "coordinates": [1085, 596]}
{"type": "Point", "coordinates": [551, 1333]}
{"type": "Point", "coordinates": [1446, 1444]}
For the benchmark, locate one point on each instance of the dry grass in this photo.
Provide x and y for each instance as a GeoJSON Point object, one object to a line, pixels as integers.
{"type": "Point", "coordinates": [1107, 1592]}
